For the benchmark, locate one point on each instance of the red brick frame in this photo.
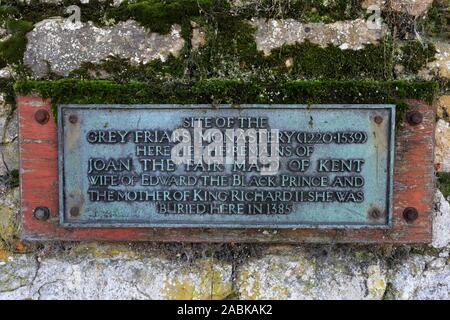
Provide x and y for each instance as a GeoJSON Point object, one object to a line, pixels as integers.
{"type": "Point", "coordinates": [414, 186]}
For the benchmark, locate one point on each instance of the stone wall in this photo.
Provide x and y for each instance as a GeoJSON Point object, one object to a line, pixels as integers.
{"type": "Point", "coordinates": [252, 40]}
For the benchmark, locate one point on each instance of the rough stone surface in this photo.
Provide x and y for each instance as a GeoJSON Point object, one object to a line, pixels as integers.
{"type": "Point", "coordinates": [9, 217]}
{"type": "Point", "coordinates": [9, 152]}
{"type": "Point", "coordinates": [117, 277]}
{"type": "Point", "coordinates": [412, 7]}
{"type": "Point", "coordinates": [4, 112]}
{"type": "Point", "coordinates": [442, 151]}
{"type": "Point", "coordinates": [5, 73]}
{"type": "Point", "coordinates": [63, 45]}
{"type": "Point", "coordinates": [198, 38]}
{"type": "Point", "coordinates": [370, 3]}
{"type": "Point", "coordinates": [441, 66]}
{"type": "Point", "coordinates": [9, 144]}
{"type": "Point", "coordinates": [16, 272]}
{"type": "Point", "coordinates": [10, 132]}
{"type": "Point", "coordinates": [271, 34]}
{"type": "Point", "coordinates": [441, 219]}
{"type": "Point", "coordinates": [283, 272]}
{"type": "Point", "coordinates": [321, 274]}
{"type": "Point", "coordinates": [421, 277]}
{"type": "Point", "coordinates": [443, 109]}
{"type": "Point", "coordinates": [9, 160]}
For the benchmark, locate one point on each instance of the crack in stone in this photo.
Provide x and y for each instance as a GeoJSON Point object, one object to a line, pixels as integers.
{"type": "Point", "coordinates": [46, 284]}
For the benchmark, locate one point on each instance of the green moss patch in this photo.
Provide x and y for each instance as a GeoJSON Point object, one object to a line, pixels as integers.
{"type": "Point", "coordinates": [437, 21]}
{"type": "Point", "coordinates": [159, 15]}
{"type": "Point", "coordinates": [12, 49]}
{"type": "Point", "coordinates": [416, 55]}
{"type": "Point", "coordinates": [310, 61]}
{"type": "Point", "coordinates": [217, 91]}
{"type": "Point", "coordinates": [444, 183]}
{"type": "Point", "coordinates": [7, 90]}
{"type": "Point", "coordinates": [233, 54]}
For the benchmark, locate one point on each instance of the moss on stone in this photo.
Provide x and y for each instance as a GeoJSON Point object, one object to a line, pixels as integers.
{"type": "Point", "coordinates": [437, 19]}
{"type": "Point", "coordinates": [250, 281]}
{"type": "Point", "coordinates": [102, 250]}
{"type": "Point", "coordinates": [216, 91]}
{"type": "Point", "coordinates": [9, 222]}
{"type": "Point", "coordinates": [13, 46]}
{"type": "Point", "coordinates": [120, 70]}
{"type": "Point", "coordinates": [97, 11]}
{"type": "Point", "coordinates": [7, 90]}
{"type": "Point", "coordinates": [310, 61]}
{"type": "Point", "coordinates": [228, 68]}
{"type": "Point", "coordinates": [209, 284]}
{"type": "Point", "coordinates": [444, 183]}
{"type": "Point", "coordinates": [12, 49]}
{"type": "Point", "coordinates": [304, 10]}
{"type": "Point", "coordinates": [10, 179]}
{"type": "Point", "coordinates": [230, 52]}
{"type": "Point", "coordinates": [230, 49]}
{"type": "Point", "coordinates": [159, 15]}
{"type": "Point", "coordinates": [229, 90]}
{"type": "Point", "coordinates": [416, 55]}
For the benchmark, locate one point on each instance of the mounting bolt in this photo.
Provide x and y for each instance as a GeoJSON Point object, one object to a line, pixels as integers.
{"type": "Point", "coordinates": [378, 119]}
{"type": "Point", "coordinates": [42, 116]}
{"type": "Point", "coordinates": [74, 211]}
{"type": "Point", "coordinates": [414, 117]}
{"type": "Point", "coordinates": [73, 118]}
{"type": "Point", "coordinates": [410, 214]}
{"type": "Point", "coordinates": [41, 213]}
{"type": "Point", "coordinates": [375, 213]}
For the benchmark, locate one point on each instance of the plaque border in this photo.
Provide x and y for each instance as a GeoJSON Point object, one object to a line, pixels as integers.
{"type": "Point", "coordinates": [183, 224]}
{"type": "Point", "coordinates": [414, 186]}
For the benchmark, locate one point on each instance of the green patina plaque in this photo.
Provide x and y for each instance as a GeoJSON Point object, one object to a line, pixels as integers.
{"type": "Point", "coordinates": [251, 166]}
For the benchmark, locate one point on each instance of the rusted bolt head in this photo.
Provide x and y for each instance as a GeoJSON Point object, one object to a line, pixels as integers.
{"type": "Point", "coordinates": [73, 118]}
{"type": "Point", "coordinates": [41, 213]}
{"type": "Point", "coordinates": [74, 211]}
{"type": "Point", "coordinates": [375, 213]}
{"type": "Point", "coordinates": [378, 119]}
{"type": "Point", "coordinates": [410, 214]}
{"type": "Point", "coordinates": [414, 117]}
{"type": "Point", "coordinates": [42, 116]}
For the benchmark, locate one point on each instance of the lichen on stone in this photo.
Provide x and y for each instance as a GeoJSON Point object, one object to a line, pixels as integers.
{"type": "Point", "coordinates": [64, 46]}
{"type": "Point", "coordinates": [354, 34]}
{"type": "Point", "coordinates": [9, 219]}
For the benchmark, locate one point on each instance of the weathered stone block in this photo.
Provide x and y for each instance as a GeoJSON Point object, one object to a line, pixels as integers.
{"type": "Point", "coordinates": [271, 34]}
{"type": "Point", "coordinates": [441, 222]}
{"type": "Point", "coordinates": [422, 277]}
{"type": "Point", "coordinates": [116, 277]}
{"type": "Point", "coordinates": [443, 107]}
{"type": "Point", "coordinates": [322, 274]}
{"type": "Point", "coordinates": [412, 7]}
{"type": "Point", "coordinates": [62, 45]}
{"type": "Point", "coordinates": [9, 217]}
{"type": "Point", "coordinates": [442, 151]}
